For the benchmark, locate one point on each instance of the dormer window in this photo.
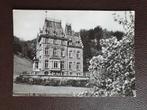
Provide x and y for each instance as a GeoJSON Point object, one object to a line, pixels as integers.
{"type": "Point", "coordinates": [48, 24]}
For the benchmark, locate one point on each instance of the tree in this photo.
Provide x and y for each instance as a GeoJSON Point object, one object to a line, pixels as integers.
{"type": "Point", "coordinates": [98, 34]}
{"type": "Point", "coordinates": [118, 34]}
{"type": "Point", "coordinates": [16, 45]}
{"type": "Point", "coordinates": [112, 73]}
{"type": "Point", "coordinates": [90, 39]}
{"type": "Point", "coordinates": [25, 48]}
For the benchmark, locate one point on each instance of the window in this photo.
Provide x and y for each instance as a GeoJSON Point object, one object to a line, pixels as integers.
{"type": "Point", "coordinates": [55, 41]}
{"type": "Point", "coordinates": [78, 66]}
{"type": "Point", "coordinates": [70, 73]}
{"type": "Point", "coordinates": [70, 65]}
{"type": "Point", "coordinates": [62, 64]}
{"type": "Point", "coordinates": [62, 73]}
{"type": "Point", "coordinates": [36, 65]}
{"type": "Point", "coordinates": [63, 42]}
{"type": "Point", "coordinates": [58, 25]}
{"type": "Point", "coordinates": [78, 54]}
{"type": "Point", "coordinates": [46, 40]}
{"type": "Point", "coordinates": [49, 24]}
{"type": "Point", "coordinates": [77, 42]}
{"type": "Point", "coordinates": [62, 53]}
{"type": "Point", "coordinates": [63, 34]}
{"type": "Point", "coordinates": [70, 42]}
{"type": "Point", "coordinates": [46, 31]}
{"type": "Point", "coordinates": [55, 64]}
{"type": "Point", "coordinates": [46, 72]}
{"type": "Point", "coordinates": [70, 54]}
{"type": "Point", "coordinates": [54, 32]}
{"type": "Point", "coordinates": [46, 63]}
{"type": "Point", "coordinates": [46, 51]}
{"type": "Point", "coordinates": [50, 41]}
{"type": "Point", "coordinates": [78, 74]}
{"type": "Point", "coordinates": [55, 52]}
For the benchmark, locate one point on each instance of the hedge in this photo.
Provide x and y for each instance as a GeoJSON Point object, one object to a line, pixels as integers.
{"type": "Point", "coordinates": [51, 81]}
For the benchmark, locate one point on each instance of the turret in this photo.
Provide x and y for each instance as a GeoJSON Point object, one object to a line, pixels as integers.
{"type": "Point", "coordinates": [68, 29]}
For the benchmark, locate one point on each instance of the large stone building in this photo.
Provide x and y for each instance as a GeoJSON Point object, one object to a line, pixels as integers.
{"type": "Point", "coordinates": [59, 52]}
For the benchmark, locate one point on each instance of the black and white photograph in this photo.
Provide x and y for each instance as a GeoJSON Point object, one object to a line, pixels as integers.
{"type": "Point", "coordinates": [73, 53]}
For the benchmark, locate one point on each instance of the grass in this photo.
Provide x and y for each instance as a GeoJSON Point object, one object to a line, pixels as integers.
{"type": "Point", "coordinates": [39, 90]}
{"type": "Point", "coordinates": [21, 64]}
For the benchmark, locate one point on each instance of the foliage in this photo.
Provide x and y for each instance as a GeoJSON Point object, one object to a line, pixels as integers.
{"type": "Point", "coordinates": [51, 81]}
{"type": "Point", "coordinates": [24, 48]}
{"type": "Point", "coordinates": [16, 45]}
{"type": "Point", "coordinates": [91, 38]}
{"type": "Point", "coordinates": [112, 72]}
{"type": "Point", "coordinates": [118, 34]}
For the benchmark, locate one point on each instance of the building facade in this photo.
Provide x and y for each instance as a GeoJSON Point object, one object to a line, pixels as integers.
{"type": "Point", "coordinates": [59, 52]}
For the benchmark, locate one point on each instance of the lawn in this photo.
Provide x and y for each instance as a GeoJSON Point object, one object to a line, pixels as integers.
{"type": "Point", "coordinates": [39, 90]}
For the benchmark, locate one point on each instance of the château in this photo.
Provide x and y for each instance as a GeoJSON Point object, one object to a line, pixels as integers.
{"type": "Point", "coordinates": [59, 52]}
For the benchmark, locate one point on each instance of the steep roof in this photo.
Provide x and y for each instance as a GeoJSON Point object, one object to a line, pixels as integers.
{"type": "Point", "coordinates": [52, 28]}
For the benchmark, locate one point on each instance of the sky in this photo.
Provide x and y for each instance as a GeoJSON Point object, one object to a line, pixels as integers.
{"type": "Point", "coordinates": [26, 23]}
